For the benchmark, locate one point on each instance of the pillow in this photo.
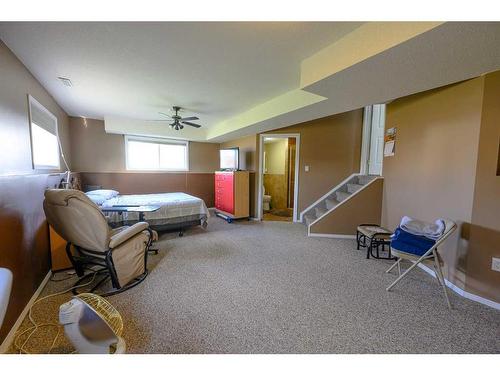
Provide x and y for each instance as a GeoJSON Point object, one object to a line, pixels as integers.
{"type": "Point", "coordinates": [97, 199]}
{"type": "Point", "coordinates": [106, 194]}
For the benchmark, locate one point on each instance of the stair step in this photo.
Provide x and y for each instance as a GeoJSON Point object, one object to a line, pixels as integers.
{"type": "Point", "coordinates": [352, 188]}
{"type": "Point", "coordinates": [309, 218]}
{"type": "Point", "coordinates": [320, 211]}
{"type": "Point", "coordinates": [363, 180]}
{"type": "Point", "coordinates": [342, 195]}
{"type": "Point", "coordinates": [330, 203]}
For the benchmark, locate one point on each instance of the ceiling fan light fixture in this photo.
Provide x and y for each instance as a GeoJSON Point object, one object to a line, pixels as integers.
{"type": "Point", "coordinates": [179, 121]}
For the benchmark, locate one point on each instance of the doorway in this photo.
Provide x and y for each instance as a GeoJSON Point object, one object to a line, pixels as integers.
{"type": "Point", "coordinates": [372, 148]}
{"type": "Point", "coordinates": [278, 177]}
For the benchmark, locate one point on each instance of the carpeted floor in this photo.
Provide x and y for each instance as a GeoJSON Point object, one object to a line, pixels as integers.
{"type": "Point", "coordinates": [264, 287]}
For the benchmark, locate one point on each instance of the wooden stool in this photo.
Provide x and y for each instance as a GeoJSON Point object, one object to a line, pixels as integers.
{"type": "Point", "coordinates": [371, 237]}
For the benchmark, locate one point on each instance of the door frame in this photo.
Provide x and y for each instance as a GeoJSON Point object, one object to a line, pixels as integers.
{"type": "Point", "coordinates": [296, 213]}
{"type": "Point", "coordinates": [367, 135]}
{"type": "Point", "coordinates": [366, 139]}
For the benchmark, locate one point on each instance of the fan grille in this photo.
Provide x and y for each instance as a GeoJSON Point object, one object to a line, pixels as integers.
{"type": "Point", "coordinates": [105, 310]}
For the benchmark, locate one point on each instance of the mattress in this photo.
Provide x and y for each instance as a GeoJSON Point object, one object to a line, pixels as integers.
{"type": "Point", "coordinates": [174, 208]}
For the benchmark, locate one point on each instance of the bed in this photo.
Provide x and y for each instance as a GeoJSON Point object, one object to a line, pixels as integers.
{"type": "Point", "coordinates": [178, 211]}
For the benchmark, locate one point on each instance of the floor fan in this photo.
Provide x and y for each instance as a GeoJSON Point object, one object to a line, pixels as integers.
{"type": "Point", "coordinates": [92, 325]}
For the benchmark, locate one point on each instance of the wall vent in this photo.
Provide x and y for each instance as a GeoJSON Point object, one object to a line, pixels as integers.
{"type": "Point", "coordinates": [65, 81]}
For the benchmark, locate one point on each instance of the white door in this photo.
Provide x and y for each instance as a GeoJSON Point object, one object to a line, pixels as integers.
{"type": "Point", "coordinates": [377, 140]}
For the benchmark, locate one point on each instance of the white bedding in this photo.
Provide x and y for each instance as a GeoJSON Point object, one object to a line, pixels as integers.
{"type": "Point", "coordinates": [172, 205]}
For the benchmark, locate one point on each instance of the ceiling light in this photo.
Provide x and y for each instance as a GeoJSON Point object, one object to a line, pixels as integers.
{"type": "Point", "coordinates": [65, 81]}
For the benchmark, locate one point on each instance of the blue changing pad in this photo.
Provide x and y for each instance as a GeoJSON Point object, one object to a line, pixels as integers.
{"type": "Point", "coordinates": [410, 243]}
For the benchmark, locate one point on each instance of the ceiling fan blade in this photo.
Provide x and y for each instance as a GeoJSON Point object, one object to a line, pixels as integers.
{"type": "Point", "coordinates": [158, 120]}
{"type": "Point", "coordinates": [189, 118]}
{"type": "Point", "coordinates": [191, 124]}
{"type": "Point", "coordinates": [164, 114]}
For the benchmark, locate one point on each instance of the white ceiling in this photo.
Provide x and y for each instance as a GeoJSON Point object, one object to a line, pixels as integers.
{"type": "Point", "coordinates": [244, 78]}
{"type": "Point", "coordinates": [449, 53]}
{"type": "Point", "coordinates": [135, 70]}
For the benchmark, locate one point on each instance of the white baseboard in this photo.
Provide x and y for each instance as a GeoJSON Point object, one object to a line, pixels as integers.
{"type": "Point", "coordinates": [338, 236]}
{"type": "Point", "coordinates": [461, 292]}
{"type": "Point", "coordinates": [12, 333]}
{"type": "Point", "coordinates": [449, 284]}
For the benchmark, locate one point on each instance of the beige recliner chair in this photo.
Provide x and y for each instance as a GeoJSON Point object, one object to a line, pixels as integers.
{"type": "Point", "coordinates": [119, 254]}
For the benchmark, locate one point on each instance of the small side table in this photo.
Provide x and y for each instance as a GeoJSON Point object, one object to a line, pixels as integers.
{"type": "Point", "coordinates": [372, 237]}
{"type": "Point", "coordinates": [134, 208]}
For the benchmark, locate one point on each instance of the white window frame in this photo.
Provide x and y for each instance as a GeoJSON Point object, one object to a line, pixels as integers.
{"type": "Point", "coordinates": [156, 140]}
{"type": "Point", "coordinates": [32, 102]}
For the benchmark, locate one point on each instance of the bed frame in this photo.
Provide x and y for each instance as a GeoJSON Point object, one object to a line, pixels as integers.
{"type": "Point", "coordinates": [179, 224]}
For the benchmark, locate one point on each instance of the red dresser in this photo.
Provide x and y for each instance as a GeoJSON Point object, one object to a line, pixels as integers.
{"type": "Point", "coordinates": [232, 194]}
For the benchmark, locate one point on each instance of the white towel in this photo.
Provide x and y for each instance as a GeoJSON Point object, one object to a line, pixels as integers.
{"type": "Point", "coordinates": [422, 228]}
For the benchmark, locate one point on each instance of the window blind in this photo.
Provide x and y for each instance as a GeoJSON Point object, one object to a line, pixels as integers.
{"type": "Point", "coordinates": [42, 118]}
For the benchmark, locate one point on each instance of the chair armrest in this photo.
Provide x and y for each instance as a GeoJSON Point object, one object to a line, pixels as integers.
{"type": "Point", "coordinates": [5, 287]}
{"type": "Point", "coordinates": [127, 233]}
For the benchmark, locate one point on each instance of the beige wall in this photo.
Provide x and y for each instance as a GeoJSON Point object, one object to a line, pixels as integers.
{"type": "Point", "coordinates": [203, 157]}
{"type": "Point", "coordinates": [364, 207]}
{"type": "Point", "coordinates": [276, 154]}
{"type": "Point", "coordinates": [16, 82]}
{"type": "Point", "coordinates": [249, 162]}
{"type": "Point", "coordinates": [485, 229]}
{"type": "Point", "coordinates": [24, 245]}
{"type": "Point", "coordinates": [331, 147]}
{"type": "Point", "coordinates": [94, 150]}
{"type": "Point", "coordinates": [433, 171]}
{"type": "Point", "coordinates": [248, 151]}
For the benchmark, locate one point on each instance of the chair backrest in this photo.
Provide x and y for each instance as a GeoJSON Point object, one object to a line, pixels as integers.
{"type": "Point", "coordinates": [77, 219]}
{"type": "Point", "coordinates": [449, 227]}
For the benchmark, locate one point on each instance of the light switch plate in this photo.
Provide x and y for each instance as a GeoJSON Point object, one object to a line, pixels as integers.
{"type": "Point", "coordinates": [495, 264]}
{"type": "Point", "coordinates": [306, 168]}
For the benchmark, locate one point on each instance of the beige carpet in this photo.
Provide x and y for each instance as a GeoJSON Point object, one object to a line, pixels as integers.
{"type": "Point", "coordinates": [264, 287]}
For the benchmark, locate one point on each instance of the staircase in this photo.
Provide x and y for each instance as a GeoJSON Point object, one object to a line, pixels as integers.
{"type": "Point", "coordinates": [342, 192]}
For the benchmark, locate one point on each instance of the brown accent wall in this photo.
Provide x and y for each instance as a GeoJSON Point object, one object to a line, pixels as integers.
{"type": "Point", "coordinates": [197, 184]}
{"type": "Point", "coordinates": [24, 233]}
{"type": "Point", "coordinates": [433, 171]}
{"type": "Point", "coordinates": [276, 187]}
{"type": "Point", "coordinates": [364, 207]}
{"type": "Point", "coordinates": [485, 229]}
{"type": "Point", "coordinates": [24, 239]}
{"type": "Point", "coordinates": [331, 147]}
{"type": "Point", "coordinates": [275, 175]}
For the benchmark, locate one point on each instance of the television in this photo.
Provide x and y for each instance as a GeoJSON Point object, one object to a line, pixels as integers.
{"type": "Point", "coordinates": [230, 159]}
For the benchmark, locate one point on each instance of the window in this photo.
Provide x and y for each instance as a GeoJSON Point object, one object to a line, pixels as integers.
{"type": "Point", "coordinates": [156, 154]}
{"type": "Point", "coordinates": [44, 142]}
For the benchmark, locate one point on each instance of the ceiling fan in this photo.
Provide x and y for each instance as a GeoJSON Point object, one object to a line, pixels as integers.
{"type": "Point", "coordinates": [179, 121]}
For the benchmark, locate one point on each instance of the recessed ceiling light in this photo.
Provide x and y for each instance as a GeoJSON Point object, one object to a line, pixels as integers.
{"type": "Point", "coordinates": [65, 81]}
